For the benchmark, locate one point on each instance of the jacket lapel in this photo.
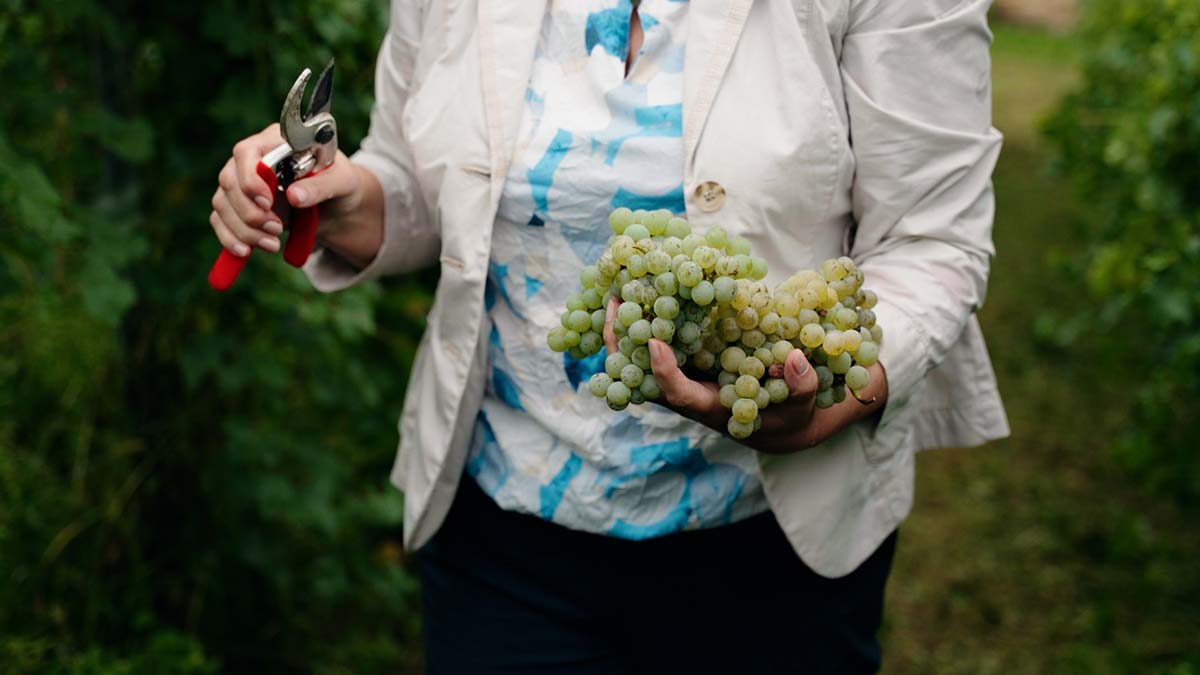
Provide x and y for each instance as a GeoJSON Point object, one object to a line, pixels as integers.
{"type": "Point", "coordinates": [714, 27]}
{"type": "Point", "coordinates": [508, 35]}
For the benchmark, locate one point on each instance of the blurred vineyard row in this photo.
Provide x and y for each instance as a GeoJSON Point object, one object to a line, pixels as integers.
{"type": "Point", "coordinates": [192, 483]}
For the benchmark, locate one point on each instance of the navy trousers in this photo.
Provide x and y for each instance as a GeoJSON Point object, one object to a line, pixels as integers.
{"type": "Point", "coordinates": [505, 592]}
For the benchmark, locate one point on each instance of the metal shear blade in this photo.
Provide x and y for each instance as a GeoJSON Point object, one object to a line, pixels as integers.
{"type": "Point", "coordinates": [316, 127]}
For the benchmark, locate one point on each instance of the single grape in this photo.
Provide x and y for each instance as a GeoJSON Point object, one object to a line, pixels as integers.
{"type": "Point", "coordinates": [588, 276]}
{"type": "Point", "coordinates": [650, 387]}
{"type": "Point", "coordinates": [590, 342]}
{"type": "Point", "coordinates": [789, 328]}
{"type": "Point", "coordinates": [571, 338]}
{"type": "Point", "coordinates": [738, 429]}
{"type": "Point", "coordinates": [747, 318]}
{"type": "Point", "coordinates": [727, 395]}
{"type": "Point", "coordinates": [753, 338]}
{"type": "Point", "coordinates": [738, 246]}
{"type": "Point", "coordinates": [579, 321]}
{"type": "Point", "coordinates": [839, 393]}
{"type": "Point", "coordinates": [787, 305]}
{"type": "Point", "coordinates": [598, 384]}
{"type": "Point", "coordinates": [780, 350]}
{"type": "Point", "coordinates": [641, 357]}
{"type": "Point", "coordinates": [758, 267]}
{"type": "Point", "coordinates": [636, 266]}
{"type": "Point", "coordinates": [765, 355]}
{"type": "Point", "coordinates": [620, 219]}
{"type": "Point", "coordinates": [866, 318]}
{"type": "Point", "coordinates": [857, 377]}
{"type": "Point", "coordinates": [632, 376]}
{"type": "Point", "coordinates": [703, 293]}
{"type": "Point", "coordinates": [726, 377]}
{"type": "Point", "coordinates": [747, 386]}
{"type": "Point", "coordinates": [555, 339]}
{"type": "Point", "coordinates": [613, 364]}
{"type": "Point", "coordinates": [592, 299]}
{"type": "Point", "coordinates": [807, 316]}
{"type": "Point", "coordinates": [684, 292]}
{"type": "Point", "coordinates": [868, 354]}
{"type": "Point", "coordinates": [622, 248]}
{"type": "Point", "coordinates": [769, 323]}
{"type": "Point", "coordinates": [706, 257]}
{"type": "Point", "coordinates": [666, 307]}
{"type": "Point", "coordinates": [619, 329]}
{"type": "Point", "coordinates": [663, 329]}
{"type": "Point", "coordinates": [666, 283]}
{"type": "Point", "coordinates": [731, 359]}
{"type": "Point", "coordinates": [763, 398]}
{"type": "Point", "coordinates": [636, 397]}
{"type": "Point", "coordinates": [618, 395]}
{"type": "Point", "coordinates": [626, 346]}
{"type": "Point", "coordinates": [832, 270]}
{"type": "Point", "coordinates": [727, 266]}
{"type": "Point", "coordinates": [704, 359]}
{"type": "Point", "coordinates": [689, 332]}
{"type": "Point", "coordinates": [745, 410]}
{"type": "Point", "coordinates": [723, 289]}
{"type": "Point", "coordinates": [869, 299]}
{"type": "Point", "coordinates": [678, 228]}
{"type": "Point", "coordinates": [841, 363]}
{"type": "Point", "coordinates": [729, 330]}
{"type": "Point", "coordinates": [716, 236]}
{"type": "Point", "coordinates": [637, 232]}
{"type": "Point", "coordinates": [845, 319]}
{"type": "Point", "coordinates": [833, 343]}
{"type": "Point", "coordinates": [640, 331]}
{"type": "Point", "coordinates": [824, 398]}
{"type": "Point", "coordinates": [691, 243]}
{"type": "Point", "coordinates": [691, 348]}
{"type": "Point", "coordinates": [629, 312]}
{"type": "Point", "coordinates": [851, 341]}
{"type": "Point", "coordinates": [690, 274]}
{"type": "Point", "coordinates": [598, 317]}
{"type": "Point", "coordinates": [657, 224]}
{"type": "Point", "coordinates": [648, 295]}
{"type": "Point", "coordinates": [824, 377]}
{"type": "Point", "coordinates": [777, 389]}
{"type": "Point", "coordinates": [818, 356]}
{"type": "Point", "coordinates": [752, 366]}
{"type": "Point", "coordinates": [877, 334]}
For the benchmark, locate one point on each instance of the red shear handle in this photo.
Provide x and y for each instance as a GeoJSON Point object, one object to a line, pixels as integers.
{"type": "Point", "coordinates": [302, 235]}
{"type": "Point", "coordinates": [228, 266]}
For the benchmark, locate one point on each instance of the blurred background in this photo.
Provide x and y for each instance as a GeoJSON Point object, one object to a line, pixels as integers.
{"type": "Point", "coordinates": [193, 483]}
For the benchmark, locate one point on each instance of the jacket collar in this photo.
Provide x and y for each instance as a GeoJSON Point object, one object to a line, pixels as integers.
{"type": "Point", "coordinates": [508, 35]}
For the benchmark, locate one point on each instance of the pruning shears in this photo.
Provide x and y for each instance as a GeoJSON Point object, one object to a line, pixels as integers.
{"type": "Point", "coordinates": [309, 147]}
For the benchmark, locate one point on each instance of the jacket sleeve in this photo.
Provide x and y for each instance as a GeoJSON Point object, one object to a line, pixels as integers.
{"type": "Point", "coordinates": [410, 238]}
{"type": "Point", "coordinates": [917, 84]}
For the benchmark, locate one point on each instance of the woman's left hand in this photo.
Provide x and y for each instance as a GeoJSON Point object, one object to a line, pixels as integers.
{"type": "Point", "coordinates": [791, 426]}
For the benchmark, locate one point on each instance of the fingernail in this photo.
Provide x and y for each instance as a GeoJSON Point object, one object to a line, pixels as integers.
{"type": "Point", "coordinates": [269, 243]}
{"type": "Point", "coordinates": [801, 365]}
{"type": "Point", "coordinates": [241, 250]}
{"type": "Point", "coordinates": [301, 195]}
{"type": "Point", "coordinates": [273, 227]}
{"type": "Point", "coordinates": [263, 203]}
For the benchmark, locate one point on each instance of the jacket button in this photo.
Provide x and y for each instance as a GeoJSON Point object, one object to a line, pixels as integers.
{"type": "Point", "coordinates": [710, 196]}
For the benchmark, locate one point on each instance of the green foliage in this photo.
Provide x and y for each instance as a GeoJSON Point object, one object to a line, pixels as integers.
{"type": "Point", "coordinates": [1130, 138]}
{"type": "Point", "coordinates": [189, 482]}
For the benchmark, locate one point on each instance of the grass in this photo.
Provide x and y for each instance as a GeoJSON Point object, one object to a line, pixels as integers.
{"type": "Point", "coordinates": [1036, 554]}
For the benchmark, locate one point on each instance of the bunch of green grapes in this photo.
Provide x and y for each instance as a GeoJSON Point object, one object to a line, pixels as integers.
{"type": "Point", "coordinates": [703, 295]}
{"type": "Point", "coordinates": [838, 331]}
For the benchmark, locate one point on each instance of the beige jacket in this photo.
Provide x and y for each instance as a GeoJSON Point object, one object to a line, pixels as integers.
{"type": "Point", "coordinates": [812, 127]}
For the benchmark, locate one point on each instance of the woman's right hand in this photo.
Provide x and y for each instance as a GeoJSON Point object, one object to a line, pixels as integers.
{"type": "Point", "coordinates": [242, 215]}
